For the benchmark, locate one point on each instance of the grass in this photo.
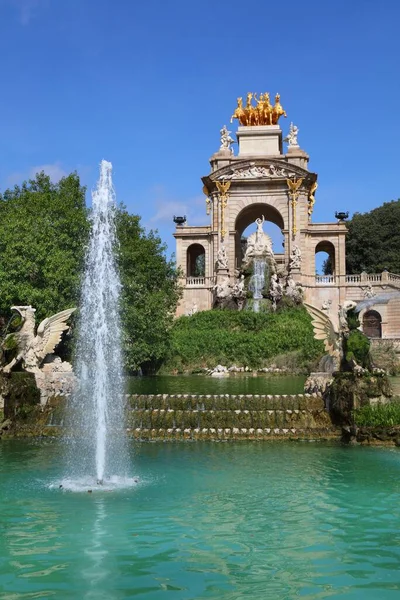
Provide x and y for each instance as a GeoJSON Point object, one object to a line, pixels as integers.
{"type": "Point", "coordinates": [378, 415]}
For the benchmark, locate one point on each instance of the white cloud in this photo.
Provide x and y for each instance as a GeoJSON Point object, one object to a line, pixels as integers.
{"type": "Point", "coordinates": [55, 171]}
{"type": "Point", "coordinates": [166, 208]}
{"type": "Point", "coordinates": [26, 8]}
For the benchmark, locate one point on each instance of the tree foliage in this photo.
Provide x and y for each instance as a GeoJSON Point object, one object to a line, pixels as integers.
{"type": "Point", "coordinates": [373, 241]}
{"type": "Point", "coordinates": [43, 231]}
{"type": "Point", "coordinates": [150, 293]}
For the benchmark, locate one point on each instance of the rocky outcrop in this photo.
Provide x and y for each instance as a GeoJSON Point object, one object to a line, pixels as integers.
{"type": "Point", "coordinates": [55, 378]}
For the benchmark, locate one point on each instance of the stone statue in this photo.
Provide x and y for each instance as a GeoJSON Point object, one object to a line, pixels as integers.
{"type": "Point", "coordinates": [294, 290]}
{"type": "Point", "coordinates": [238, 287]}
{"type": "Point", "coordinates": [291, 138]}
{"type": "Point", "coordinates": [276, 290]}
{"type": "Point", "coordinates": [260, 222]}
{"type": "Point", "coordinates": [226, 139]}
{"type": "Point", "coordinates": [324, 330]}
{"type": "Point", "coordinates": [223, 293]}
{"type": "Point", "coordinates": [343, 310]}
{"type": "Point", "coordinates": [295, 258]}
{"type": "Point", "coordinates": [193, 310]}
{"type": "Point", "coordinates": [33, 349]}
{"type": "Point", "coordinates": [368, 291]}
{"type": "Point", "coordinates": [222, 258]}
{"type": "Point", "coordinates": [239, 293]}
{"type": "Point", "coordinates": [326, 305]}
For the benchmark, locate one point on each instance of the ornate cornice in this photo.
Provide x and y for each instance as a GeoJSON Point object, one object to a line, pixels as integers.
{"type": "Point", "coordinates": [258, 170]}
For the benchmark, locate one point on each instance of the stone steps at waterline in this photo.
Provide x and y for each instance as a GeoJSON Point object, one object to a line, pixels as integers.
{"type": "Point", "coordinates": [224, 417]}
{"type": "Point", "coordinates": [180, 417]}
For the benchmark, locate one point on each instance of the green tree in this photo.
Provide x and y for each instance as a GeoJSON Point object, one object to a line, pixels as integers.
{"type": "Point", "coordinates": [373, 241]}
{"type": "Point", "coordinates": [43, 231]}
{"type": "Point", "coordinates": [150, 294]}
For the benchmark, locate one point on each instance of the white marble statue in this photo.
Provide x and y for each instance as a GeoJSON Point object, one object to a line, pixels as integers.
{"type": "Point", "coordinates": [343, 310]}
{"type": "Point", "coordinates": [193, 310]}
{"type": "Point", "coordinates": [33, 349]}
{"type": "Point", "coordinates": [223, 290]}
{"type": "Point", "coordinates": [295, 258]}
{"type": "Point", "coordinates": [222, 258]}
{"type": "Point", "coordinates": [238, 288]}
{"type": "Point", "coordinates": [226, 139]}
{"type": "Point", "coordinates": [368, 291]}
{"type": "Point", "coordinates": [293, 289]}
{"type": "Point", "coordinates": [259, 244]}
{"type": "Point", "coordinates": [291, 137]}
{"type": "Point", "coordinates": [326, 305]}
{"type": "Point", "coordinates": [239, 292]}
{"type": "Point", "coordinates": [276, 290]}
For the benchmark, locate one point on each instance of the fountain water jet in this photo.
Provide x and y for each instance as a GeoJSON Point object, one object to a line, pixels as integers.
{"type": "Point", "coordinates": [98, 448]}
{"type": "Point", "coordinates": [257, 281]}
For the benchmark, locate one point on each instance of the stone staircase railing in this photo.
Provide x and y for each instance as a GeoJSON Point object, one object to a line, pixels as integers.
{"type": "Point", "coordinates": [361, 279]}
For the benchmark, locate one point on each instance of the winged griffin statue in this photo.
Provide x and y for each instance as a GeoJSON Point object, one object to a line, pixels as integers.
{"type": "Point", "coordinates": [325, 330]}
{"type": "Point", "coordinates": [32, 349]}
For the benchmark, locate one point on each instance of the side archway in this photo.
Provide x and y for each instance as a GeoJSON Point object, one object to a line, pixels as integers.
{"type": "Point", "coordinates": [195, 261]}
{"type": "Point", "coordinates": [325, 259]}
{"type": "Point", "coordinates": [372, 324]}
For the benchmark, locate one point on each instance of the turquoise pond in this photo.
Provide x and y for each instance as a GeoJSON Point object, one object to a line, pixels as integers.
{"type": "Point", "coordinates": [206, 520]}
{"type": "Point", "coordinates": [234, 384]}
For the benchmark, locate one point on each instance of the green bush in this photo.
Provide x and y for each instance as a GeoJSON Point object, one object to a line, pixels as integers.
{"type": "Point", "coordinates": [242, 338]}
{"type": "Point", "coordinates": [357, 348]}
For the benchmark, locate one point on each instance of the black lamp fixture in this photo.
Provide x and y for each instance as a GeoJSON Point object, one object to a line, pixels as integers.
{"type": "Point", "coordinates": [342, 216]}
{"type": "Point", "coordinates": [180, 220]}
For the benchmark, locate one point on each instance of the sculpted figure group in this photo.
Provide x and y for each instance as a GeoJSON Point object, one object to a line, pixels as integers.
{"type": "Point", "coordinates": [263, 113]}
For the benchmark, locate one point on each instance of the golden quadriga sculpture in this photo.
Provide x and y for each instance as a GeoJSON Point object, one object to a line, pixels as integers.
{"type": "Point", "coordinates": [263, 113]}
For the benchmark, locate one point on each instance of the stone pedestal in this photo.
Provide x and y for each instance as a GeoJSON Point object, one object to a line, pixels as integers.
{"type": "Point", "coordinates": [222, 275]}
{"type": "Point", "coordinates": [260, 140]}
{"type": "Point", "coordinates": [297, 156]}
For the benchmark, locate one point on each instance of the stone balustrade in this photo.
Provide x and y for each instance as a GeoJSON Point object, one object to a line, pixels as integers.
{"type": "Point", "coordinates": [325, 279]}
{"type": "Point", "coordinates": [200, 281]}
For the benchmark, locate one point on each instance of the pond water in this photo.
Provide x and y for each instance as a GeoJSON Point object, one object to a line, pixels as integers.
{"type": "Point", "coordinates": [228, 521]}
{"type": "Point", "coordinates": [234, 384]}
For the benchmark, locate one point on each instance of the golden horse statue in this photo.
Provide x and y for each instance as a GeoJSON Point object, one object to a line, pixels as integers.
{"type": "Point", "coordinates": [261, 114]}
{"type": "Point", "coordinates": [239, 112]}
{"type": "Point", "coordinates": [277, 111]}
{"type": "Point", "coordinates": [249, 110]}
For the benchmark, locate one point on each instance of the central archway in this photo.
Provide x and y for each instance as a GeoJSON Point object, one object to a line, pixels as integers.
{"type": "Point", "coordinates": [247, 216]}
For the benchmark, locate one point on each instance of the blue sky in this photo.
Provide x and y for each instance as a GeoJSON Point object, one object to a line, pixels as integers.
{"type": "Point", "coordinates": [148, 85]}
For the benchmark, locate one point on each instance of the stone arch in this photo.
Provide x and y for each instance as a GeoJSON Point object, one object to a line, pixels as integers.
{"type": "Point", "coordinates": [329, 248]}
{"type": "Point", "coordinates": [195, 260]}
{"type": "Point", "coordinates": [372, 324]}
{"type": "Point", "coordinates": [248, 215]}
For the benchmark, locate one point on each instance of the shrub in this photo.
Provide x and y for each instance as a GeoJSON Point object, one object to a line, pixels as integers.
{"type": "Point", "coordinates": [242, 338]}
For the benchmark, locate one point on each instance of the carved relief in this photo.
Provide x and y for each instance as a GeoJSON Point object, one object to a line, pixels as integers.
{"type": "Point", "coordinates": [258, 172]}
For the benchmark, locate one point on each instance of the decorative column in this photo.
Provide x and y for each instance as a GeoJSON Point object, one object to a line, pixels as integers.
{"type": "Point", "coordinates": [294, 186]}
{"type": "Point", "coordinates": [223, 189]}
